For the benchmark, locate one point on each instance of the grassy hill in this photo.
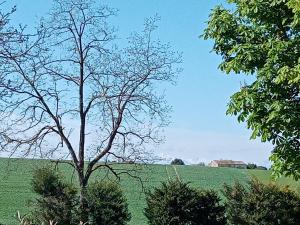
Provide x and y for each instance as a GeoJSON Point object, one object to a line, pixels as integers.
{"type": "Point", "coordinates": [15, 176]}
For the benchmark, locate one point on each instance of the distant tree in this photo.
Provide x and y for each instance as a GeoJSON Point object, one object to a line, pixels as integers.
{"type": "Point", "coordinates": [263, 38]}
{"type": "Point", "coordinates": [262, 168]}
{"type": "Point", "coordinates": [177, 162]}
{"type": "Point", "coordinates": [201, 164]}
{"type": "Point", "coordinates": [260, 204]}
{"type": "Point", "coordinates": [251, 166]}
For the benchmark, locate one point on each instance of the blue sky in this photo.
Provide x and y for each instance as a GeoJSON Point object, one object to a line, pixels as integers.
{"type": "Point", "coordinates": [200, 130]}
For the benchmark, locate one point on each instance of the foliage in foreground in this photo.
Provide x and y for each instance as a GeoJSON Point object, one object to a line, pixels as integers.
{"type": "Point", "coordinates": [263, 38]}
{"type": "Point", "coordinates": [175, 203]}
{"type": "Point", "coordinates": [58, 201]}
{"type": "Point", "coordinates": [260, 204]}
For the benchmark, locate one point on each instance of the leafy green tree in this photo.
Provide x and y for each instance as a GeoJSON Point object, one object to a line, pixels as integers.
{"type": "Point", "coordinates": [262, 38]}
{"type": "Point", "coordinates": [260, 204]}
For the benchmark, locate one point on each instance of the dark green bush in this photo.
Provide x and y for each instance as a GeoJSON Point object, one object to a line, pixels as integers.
{"type": "Point", "coordinates": [262, 168]}
{"type": "Point", "coordinates": [47, 182]}
{"type": "Point", "coordinates": [251, 166]}
{"type": "Point", "coordinates": [57, 199]}
{"type": "Point", "coordinates": [106, 204]}
{"type": "Point", "coordinates": [175, 203]}
{"type": "Point", "coordinates": [177, 162]}
{"type": "Point", "coordinates": [260, 204]}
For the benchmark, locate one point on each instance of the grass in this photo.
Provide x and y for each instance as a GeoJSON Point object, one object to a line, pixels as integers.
{"type": "Point", "coordinates": [266, 177]}
{"type": "Point", "coordinates": [15, 176]}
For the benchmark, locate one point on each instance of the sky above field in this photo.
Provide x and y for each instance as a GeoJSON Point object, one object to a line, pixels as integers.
{"type": "Point", "coordinates": [200, 131]}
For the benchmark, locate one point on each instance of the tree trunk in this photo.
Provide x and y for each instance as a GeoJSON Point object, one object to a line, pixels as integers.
{"type": "Point", "coordinates": [83, 210]}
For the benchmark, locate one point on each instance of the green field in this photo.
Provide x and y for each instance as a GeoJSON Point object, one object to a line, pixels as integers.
{"type": "Point", "coordinates": [15, 176]}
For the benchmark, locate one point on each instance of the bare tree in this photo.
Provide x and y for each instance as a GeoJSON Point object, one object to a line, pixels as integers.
{"type": "Point", "coordinates": [74, 92]}
{"type": "Point", "coordinates": [10, 36]}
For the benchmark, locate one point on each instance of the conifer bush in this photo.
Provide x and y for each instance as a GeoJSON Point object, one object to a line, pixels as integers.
{"type": "Point", "coordinates": [106, 204]}
{"type": "Point", "coordinates": [57, 200]}
{"type": "Point", "coordinates": [260, 204]}
{"type": "Point", "coordinates": [176, 203]}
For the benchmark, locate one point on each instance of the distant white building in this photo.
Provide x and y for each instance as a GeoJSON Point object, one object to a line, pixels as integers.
{"type": "Point", "coordinates": [228, 163]}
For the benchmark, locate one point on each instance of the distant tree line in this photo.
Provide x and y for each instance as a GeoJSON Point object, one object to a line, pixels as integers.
{"type": "Point", "coordinates": [253, 166]}
{"type": "Point", "coordinates": [250, 166]}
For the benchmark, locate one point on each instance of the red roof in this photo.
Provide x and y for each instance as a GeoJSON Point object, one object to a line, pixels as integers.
{"type": "Point", "coordinates": [229, 162]}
